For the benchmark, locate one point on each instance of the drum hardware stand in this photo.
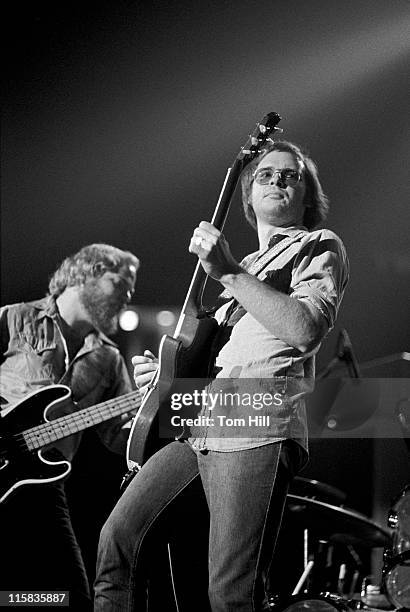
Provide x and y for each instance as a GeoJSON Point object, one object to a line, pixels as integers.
{"type": "Point", "coordinates": [356, 573]}
{"type": "Point", "coordinates": [314, 565]}
{"type": "Point", "coordinates": [326, 395]}
{"type": "Point", "coordinates": [318, 562]}
{"type": "Point", "coordinates": [403, 416]}
{"type": "Point", "coordinates": [353, 585]}
{"type": "Point", "coordinates": [308, 565]}
{"type": "Point", "coordinates": [314, 575]}
{"type": "Point", "coordinates": [303, 577]}
{"type": "Point", "coordinates": [344, 354]}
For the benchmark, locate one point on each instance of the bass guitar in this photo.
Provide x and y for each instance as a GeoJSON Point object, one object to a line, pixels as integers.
{"type": "Point", "coordinates": [185, 355]}
{"type": "Point", "coordinates": [26, 430]}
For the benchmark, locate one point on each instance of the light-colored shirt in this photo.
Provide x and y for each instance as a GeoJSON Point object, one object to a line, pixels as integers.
{"type": "Point", "coordinates": [256, 365]}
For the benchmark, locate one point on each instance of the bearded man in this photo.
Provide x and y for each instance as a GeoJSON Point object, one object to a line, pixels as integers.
{"type": "Point", "coordinates": [62, 339]}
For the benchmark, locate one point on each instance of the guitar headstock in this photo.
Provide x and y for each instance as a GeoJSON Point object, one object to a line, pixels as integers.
{"type": "Point", "coordinates": [259, 137]}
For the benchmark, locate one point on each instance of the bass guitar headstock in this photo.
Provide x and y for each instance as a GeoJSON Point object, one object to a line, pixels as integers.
{"type": "Point", "coordinates": [259, 137]}
{"type": "Point", "coordinates": [252, 147]}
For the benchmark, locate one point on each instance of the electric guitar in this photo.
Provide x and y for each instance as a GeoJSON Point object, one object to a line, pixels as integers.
{"type": "Point", "coordinates": [187, 353]}
{"type": "Point", "coordinates": [26, 430]}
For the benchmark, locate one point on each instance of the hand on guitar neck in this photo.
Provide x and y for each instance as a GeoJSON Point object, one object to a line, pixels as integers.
{"type": "Point", "coordinates": [213, 251]}
{"type": "Point", "coordinates": [215, 256]}
{"type": "Point", "coordinates": [145, 367]}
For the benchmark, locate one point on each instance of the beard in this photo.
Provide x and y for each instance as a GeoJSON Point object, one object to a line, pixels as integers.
{"type": "Point", "coordinates": [103, 310]}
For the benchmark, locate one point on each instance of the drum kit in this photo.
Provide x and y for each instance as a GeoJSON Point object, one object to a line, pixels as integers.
{"type": "Point", "coordinates": [318, 508]}
{"type": "Point", "coordinates": [326, 584]}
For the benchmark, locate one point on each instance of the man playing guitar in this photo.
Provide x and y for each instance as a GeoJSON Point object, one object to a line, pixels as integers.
{"type": "Point", "coordinates": [280, 303]}
{"type": "Point", "coordinates": [58, 339]}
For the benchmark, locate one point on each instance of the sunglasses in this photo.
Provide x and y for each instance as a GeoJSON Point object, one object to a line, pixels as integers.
{"type": "Point", "coordinates": [287, 176]}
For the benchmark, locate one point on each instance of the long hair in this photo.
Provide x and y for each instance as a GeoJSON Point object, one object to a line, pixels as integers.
{"type": "Point", "coordinates": [91, 262]}
{"type": "Point", "coordinates": [315, 200]}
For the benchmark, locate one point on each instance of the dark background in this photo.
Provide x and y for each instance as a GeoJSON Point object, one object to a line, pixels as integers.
{"type": "Point", "coordinates": [120, 119]}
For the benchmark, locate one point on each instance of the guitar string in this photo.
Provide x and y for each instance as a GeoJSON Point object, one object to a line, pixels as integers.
{"type": "Point", "coordinates": [52, 432]}
{"type": "Point", "coordinates": [73, 421]}
{"type": "Point", "coordinates": [77, 417]}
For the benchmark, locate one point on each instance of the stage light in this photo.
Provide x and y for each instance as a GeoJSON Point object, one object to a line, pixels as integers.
{"type": "Point", "coordinates": [129, 319]}
{"type": "Point", "coordinates": [165, 318]}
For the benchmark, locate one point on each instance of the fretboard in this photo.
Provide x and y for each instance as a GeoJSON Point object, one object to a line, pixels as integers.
{"type": "Point", "coordinates": [46, 433]}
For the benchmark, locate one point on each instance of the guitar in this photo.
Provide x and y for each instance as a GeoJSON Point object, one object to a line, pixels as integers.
{"type": "Point", "coordinates": [26, 429]}
{"type": "Point", "coordinates": [185, 355]}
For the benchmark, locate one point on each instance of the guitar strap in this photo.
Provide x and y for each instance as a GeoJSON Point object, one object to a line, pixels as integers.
{"type": "Point", "coordinates": [256, 264]}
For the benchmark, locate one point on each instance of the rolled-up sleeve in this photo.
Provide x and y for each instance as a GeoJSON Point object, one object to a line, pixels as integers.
{"type": "Point", "coordinates": [320, 273]}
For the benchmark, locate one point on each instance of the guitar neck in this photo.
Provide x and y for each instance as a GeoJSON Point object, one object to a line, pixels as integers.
{"type": "Point", "coordinates": [51, 431]}
{"type": "Point", "coordinates": [193, 299]}
{"type": "Point", "coordinates": [193, 302]}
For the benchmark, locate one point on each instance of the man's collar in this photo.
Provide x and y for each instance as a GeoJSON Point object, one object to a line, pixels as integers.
{"type": "Point", "coordinates": [47, 307]}
{"type": "Point", "coordinates": [283, 232]}
{"type": "Point", "coordinates": [286, 231]}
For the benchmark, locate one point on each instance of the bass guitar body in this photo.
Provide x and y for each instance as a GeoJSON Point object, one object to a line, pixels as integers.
{"type": "Point", "coordinates": [18, 464]}
{"type": "Point", "coordinates": [39, 421]}
{"type": "Point", "coordinates": [186, 356]}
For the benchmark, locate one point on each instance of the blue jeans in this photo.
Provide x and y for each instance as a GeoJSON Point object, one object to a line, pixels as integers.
{"type": "Point", "coordinates": [245, 492]}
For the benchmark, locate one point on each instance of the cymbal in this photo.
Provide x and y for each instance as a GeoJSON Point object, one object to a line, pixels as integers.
{"type": "Point", "coordinates": [314, 489]}
{"type": "Point", "coordinates": [335, 524]}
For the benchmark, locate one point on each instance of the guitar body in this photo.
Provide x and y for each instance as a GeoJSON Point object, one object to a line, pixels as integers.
{"type": "Point", "coordinates": [181, 357]}
{"type": "Point", "coordinates": [19, 465]}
